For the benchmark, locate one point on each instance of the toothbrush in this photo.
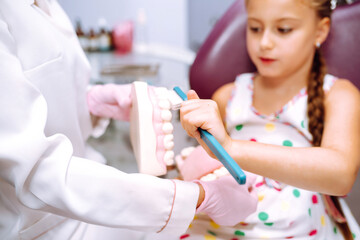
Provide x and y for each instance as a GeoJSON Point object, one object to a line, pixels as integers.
{"type": "Point", "coordinates": [229, 163]}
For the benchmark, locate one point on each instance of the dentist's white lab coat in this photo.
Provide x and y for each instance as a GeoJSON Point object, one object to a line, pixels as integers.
{"type": "Point", "coordinates": [48, 187]}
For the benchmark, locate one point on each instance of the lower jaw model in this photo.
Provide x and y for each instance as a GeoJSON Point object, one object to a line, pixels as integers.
{"type": "Point", "coordinates": [195, 163]}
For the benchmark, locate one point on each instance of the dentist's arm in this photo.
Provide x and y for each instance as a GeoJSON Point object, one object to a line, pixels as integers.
{"type": "Point", "coordinates": [45, 174]}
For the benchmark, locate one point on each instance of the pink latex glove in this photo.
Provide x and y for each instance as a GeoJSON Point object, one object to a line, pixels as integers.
{"type": "Point", "coordinates": [197, 164]}
{"type": "Point", "coordinates": [226, 201]}
{"type": "Point", "coordinates": [110, 101]}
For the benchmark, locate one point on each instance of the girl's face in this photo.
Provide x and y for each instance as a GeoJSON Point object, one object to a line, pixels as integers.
{"type": "Point", "coordinates": [281, 36]}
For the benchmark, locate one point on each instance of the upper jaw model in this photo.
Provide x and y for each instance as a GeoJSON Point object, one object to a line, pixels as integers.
{"type": "Point", "coordinates": [151, 130]}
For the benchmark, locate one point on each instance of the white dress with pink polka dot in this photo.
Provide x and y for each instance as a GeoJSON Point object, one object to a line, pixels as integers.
{"type": "Point", "coordinates": [284, 212]}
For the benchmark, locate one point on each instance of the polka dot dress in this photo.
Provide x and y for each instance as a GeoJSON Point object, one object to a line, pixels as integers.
{"type": "Point", "coordinates": [284, 212]}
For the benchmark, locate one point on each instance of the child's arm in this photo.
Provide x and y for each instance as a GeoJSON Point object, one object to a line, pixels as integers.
{"type": "Point", "coordinates": [330, 169]}
{"type": "Point", "coordinates": [222, 96]}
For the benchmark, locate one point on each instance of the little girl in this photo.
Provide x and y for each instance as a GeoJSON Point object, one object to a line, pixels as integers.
{"type": "Point", "coordinates": [291, 123]}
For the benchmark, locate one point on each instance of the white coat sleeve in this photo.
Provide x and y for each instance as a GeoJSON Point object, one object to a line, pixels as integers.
{"type": "Point", "coordinates": [47, 177]}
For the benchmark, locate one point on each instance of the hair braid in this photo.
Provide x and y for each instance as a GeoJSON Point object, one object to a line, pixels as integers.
{"type": "Point", "coordinates": [316, 113]}
{"type": "Point", "coordinates": [315, 107]}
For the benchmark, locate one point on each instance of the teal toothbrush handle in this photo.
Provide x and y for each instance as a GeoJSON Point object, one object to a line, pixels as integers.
{"type": "Point", "coordinates": [229, 163]}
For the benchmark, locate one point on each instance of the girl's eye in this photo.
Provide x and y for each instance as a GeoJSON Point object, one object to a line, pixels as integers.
{"type": "Point", "coordinates": [284, 30]}
{"type": "Point", "coordinates": [255, 29]}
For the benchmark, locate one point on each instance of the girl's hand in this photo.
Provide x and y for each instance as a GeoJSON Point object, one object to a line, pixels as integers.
{"type": "Point", "coordinates": [196, 113]}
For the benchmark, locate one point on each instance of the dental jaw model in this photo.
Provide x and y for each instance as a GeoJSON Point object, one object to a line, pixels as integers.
{"type": "Point", "coordinates": [151, 135]}
{"type": "Point", "coordinates": [151, 130]}
{"type": "Point", "coordinates": [194, 163]}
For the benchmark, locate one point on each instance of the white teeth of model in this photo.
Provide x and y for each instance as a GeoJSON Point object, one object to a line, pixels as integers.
{"type": "Point", "coordinates": [167, 128]}
{"type": "Point", "coordinates": [169, 145]}
{"type": "Point", "coordinates": [164, 104]}
{"type": "Point", "coordinates": [168, 138]}
{"type": "Point", "coordinates": [169, 158]}
{"type": "Point", "coordinates": [166, 115]}
{"type": "Point", "coordinates": [169, 162]}
{"type": "Point", "coordinates": [186, 152]}
{"type": "Point", "coordinates": [174, 99]}
{"type": "Point", "coordinates": [169, 141]}
{"type": "Point", "coordinates": [221, 172]}
{"type": "Point", "coordinates": [209, 177]}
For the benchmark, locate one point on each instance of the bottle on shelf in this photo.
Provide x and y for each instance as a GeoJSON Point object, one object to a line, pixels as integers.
{"type": "Point", "coordinates": [93, 41]}
{"type": "Point", "coordinates": [104, 36]}
{"type": "Point", "coordinates": [84, 41]}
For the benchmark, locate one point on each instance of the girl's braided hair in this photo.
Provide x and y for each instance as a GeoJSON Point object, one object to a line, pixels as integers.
{"type": "Point", "coordinates": [315, 102]}
{"type": "Point", "coordinates": [315, 108]}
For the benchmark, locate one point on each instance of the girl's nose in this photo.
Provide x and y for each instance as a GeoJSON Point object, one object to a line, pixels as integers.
{"type": "Point", "coordinates": [266, 42]}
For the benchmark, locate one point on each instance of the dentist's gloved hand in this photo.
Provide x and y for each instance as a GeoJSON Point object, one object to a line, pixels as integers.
{"type": "Point", "coordinates": [110, 101]}
{"type": "Point", "coordinates": [226, 202]}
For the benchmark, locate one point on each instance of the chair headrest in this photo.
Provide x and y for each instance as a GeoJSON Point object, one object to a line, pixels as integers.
{"type": "Point", "coordinates": [342, 47]}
